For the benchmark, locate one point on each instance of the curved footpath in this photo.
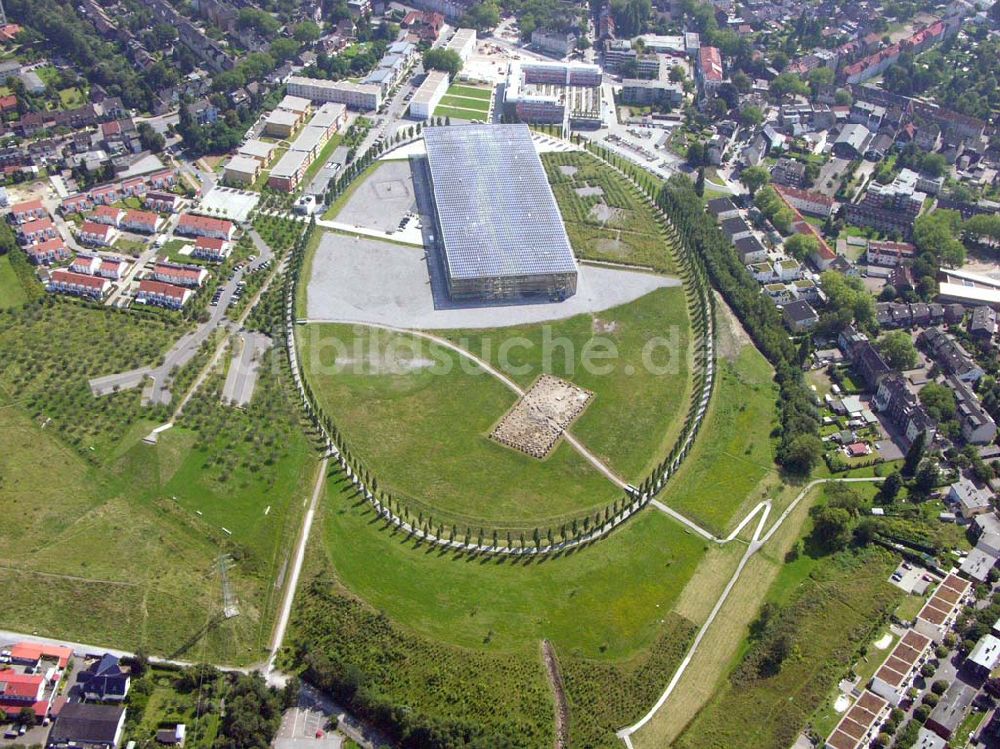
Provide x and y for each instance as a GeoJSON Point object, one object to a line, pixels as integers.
{"type": "Point", "coordinates": [756, 542]}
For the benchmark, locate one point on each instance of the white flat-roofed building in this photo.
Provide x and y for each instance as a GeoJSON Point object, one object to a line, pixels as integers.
{"type": "Point", "coordinates": [288, 172]}
{"type": "Point", "coordinates": [257, 149]}
{"type": "Point", "coordinates": [310, 141]}
{"type": "Point", "coordinates": [242, 170]}
{"type": "Point", "coordinates": [359, 96]}
{"type": "Point", "coordinates": [298, 104]}
{"type": "Point", "coordinates": [463, 42]}
{"type": "Point", "coordinates": [331, 116]}
{"type": "Point", "coordinates": [429, 95]}
{"type": "Point", "coordinates": [281, 123]}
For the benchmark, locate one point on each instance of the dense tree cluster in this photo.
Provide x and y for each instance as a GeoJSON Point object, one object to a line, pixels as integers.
{"type": "Point", "coordinates": [443, 59]}
{"type": "Point", "coordinates": [102, 62]}
{"type": "Point", "coordinates": [799, 447]}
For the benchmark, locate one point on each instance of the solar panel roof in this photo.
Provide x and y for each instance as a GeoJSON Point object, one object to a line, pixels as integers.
{"type": "Point", "coordinates": [497, 212]}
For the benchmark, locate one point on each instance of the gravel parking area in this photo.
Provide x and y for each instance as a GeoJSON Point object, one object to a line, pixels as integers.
{"type": "Point", "coordinates": [357, 279]}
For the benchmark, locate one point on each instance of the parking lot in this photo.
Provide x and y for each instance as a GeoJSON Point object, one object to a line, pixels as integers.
{"type": "Point", "coordinates": [305, 728]}
{"type": "Point", "coordinates": [383, 200]}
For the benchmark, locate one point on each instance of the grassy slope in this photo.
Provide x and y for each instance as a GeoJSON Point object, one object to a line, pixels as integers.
{"type": "Point", "coordinates": [634, 418]}
{"type": "Point", "coordinates": [11, 293]}
{"type": "Point", "coordinates": [839, 607]}
{"type": "Point", "coordinates": [423, 434]}
{"type": "Point", "coordinates": [739, 454]}
{"type": "Point", "coordinates": [601, 602]}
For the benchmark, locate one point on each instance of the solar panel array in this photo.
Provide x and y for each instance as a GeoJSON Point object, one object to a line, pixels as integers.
{"type": "Point", "coordinates": [497, 213]}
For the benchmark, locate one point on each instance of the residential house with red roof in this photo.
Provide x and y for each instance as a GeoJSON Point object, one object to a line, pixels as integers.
{"type": "Point", "coordinates": [145, 222]}
{"type": "Point", "coordinates": [87, 264]}
{"type": "Point", "coordinates": [38, 230]}
{"type": "Point", "coordinates": [210, 248]}
{"type": "Point", "coordinates": [29, 210]}
{"type": "Point", "coordinates": [180, 275]}
{"type": "Point", "coordinates": [105, 194]}
{"type": "Point", "coordinates": [77, 204]}
{"type": "Point", "coordinates": [134, 186]}
{"type": "Point", "coordinates": [108, 214]}
{"type": "Point", "coordinates": [160, 294]}
{"type": "Point", "coordinates": [162, 202]}
{"type": "Point", "coordinates": [33, 653]}
{"type": "Point", "coordinates": [49, 251]}
{"type": "Point", "coordinates": [99, 234]}
{"type": "Point", "coordinates": [112, 268]}
{"type": "Point", "coordinates": [203, 226]}
{"type": "Point", "coordinates": [78, 284]}
{"type": "Point", "coordinates": [18, 691]}
{"type": "Point", "coordinates": [161, 180]}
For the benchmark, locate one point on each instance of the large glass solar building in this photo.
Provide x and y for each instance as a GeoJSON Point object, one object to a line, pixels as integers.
{"type": "Point", "coordinates": [498, 221]}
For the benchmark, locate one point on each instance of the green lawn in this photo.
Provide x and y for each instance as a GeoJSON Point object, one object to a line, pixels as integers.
{"type": "Point", "coordinates": [615, 224]}
{"type": "Point", "coordinates": [721, 472]}
{"type": "Point", "coordinates": [637, 412]}
{"type": "Point", "coordinates": [70, 98]}
{"type": "Point", "coordinates": [423, 433]}
{"type": "Point", "coordinates": [160, 698]}
{"type": "Point", "coordinates": [462, 102]}
{"type": "Point", "coordinates": [459, 113]}
{"type": "Point", "coordinates": [470, 91]}
{"type": "Point", "coordinates": [603, 602]}
{"type": "Point", "coordinates": [324, 155]}
{"type": "Point", "coordinates": [11, 292]}
{"type": "Point", "coordinates": [842, 604]}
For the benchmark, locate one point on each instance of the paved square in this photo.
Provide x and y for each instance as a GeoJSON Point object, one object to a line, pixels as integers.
{"type": "Point", "coordinates": [538, 419]}
{"type": "Point", "coordinates": [364, 280]}
{"type": "Point", "coordinates": [382, 200]}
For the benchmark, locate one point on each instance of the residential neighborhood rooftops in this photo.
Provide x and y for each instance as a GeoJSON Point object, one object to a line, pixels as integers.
{"type": "Point", "coordinates": [87, 724]}
{"type": "Point", "coordinates": [22, 652]}
{"type": "Point", "coordinates": [856, 728]}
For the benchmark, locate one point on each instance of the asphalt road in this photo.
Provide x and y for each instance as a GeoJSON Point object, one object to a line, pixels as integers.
{"type": "Point", "coordinates": [242, 377]}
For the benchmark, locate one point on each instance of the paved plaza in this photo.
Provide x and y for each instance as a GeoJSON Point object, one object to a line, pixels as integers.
{"type": "Point", "coordinates": [364, 280]}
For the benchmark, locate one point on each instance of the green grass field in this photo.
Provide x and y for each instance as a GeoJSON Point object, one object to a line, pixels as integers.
{"type": "Point", "coordinates": [464, 102]}
{"type": "Point", "coordinates": [459, 113]}
{"type": "Point", "coordinates": [637, 412]}
{"type": "Point", "coordinates": [605, 217]}
{"type": "Point", "coordinates": [723, 470]}
{"type": "Point", "coordinates": [474, 92]}
{"type": "Point", "coordinates": [423, 433]}
{"type": "Point", "coordinates": [11, 292]}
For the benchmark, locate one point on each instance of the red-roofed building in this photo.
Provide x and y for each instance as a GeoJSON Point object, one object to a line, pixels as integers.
{"type": "Point", "coordinates": [8, 103]}
{"type": "Point", "coordinates": [210, 248]}
{"type": "Point", "coordinates": [146, 222]}
{"type": "Point", "coordinates": [9, 31]}
{"type": "Point", "coordinates": [112, 268]}
{"type": "Point", "coordinates": [18, 691]}
{"type": "Point", "coordinates": [708, 70]}
{"type": "Point", "coordinates": [824, 255]}
{"type": "Point", "coordinates": [162, 294]}
{"type": "Point", "coordinates": [49, 251]}
{"type": "Point", "coordinates": [162, 202]}
{"type": "Point", "coordinates": [87, 264]}
{"type": "Point", "coordinates": [890, 254]}
{"type": "Point", "coordinates": [162, 179]}
{"type": "Point", "coordinates": [425, 24]}
{"type": "Point", "coordinates": [203, 226]}
{"type": "Point", "coordinates": [100, 234]}
{"type": "Point", "coordinates": [105, 194]}
{"type": "Point", "coordinates": [77, 284]}
{"type": "Point", "coordinates": [134, 186]}
{"type": "Point", "coordinates": [30, 653]}
{"type": "Point", "coordinates": [180, 275]}
{"type": "Point", "coordinates": [77, 204]}
{"type": "Point", "coordinates": [38, 230]}
{"type": "Point", "coordinates": [111, 129]}
{"type": "Point", "coordinates": [108, 214]}
{"type": "Point", "coordinates": [810, 203]}
{"type": "Point", "coordinates": [28, 211]}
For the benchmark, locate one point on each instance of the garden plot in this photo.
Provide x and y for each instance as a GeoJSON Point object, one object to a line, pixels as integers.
{"type": "Point", "coordinates": [539, 418]}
